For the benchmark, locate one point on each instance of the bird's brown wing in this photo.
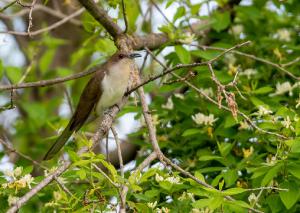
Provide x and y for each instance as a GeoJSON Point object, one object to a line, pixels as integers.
{"type": "Point", "coordinates": [88, 100]}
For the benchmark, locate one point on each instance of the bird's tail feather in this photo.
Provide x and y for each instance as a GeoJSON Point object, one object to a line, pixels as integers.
{"type": "Point", "coordinates": [59, 143]}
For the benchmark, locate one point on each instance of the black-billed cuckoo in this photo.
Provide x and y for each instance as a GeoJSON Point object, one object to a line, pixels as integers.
{"type": "Point", "coordinates": [105, 88]}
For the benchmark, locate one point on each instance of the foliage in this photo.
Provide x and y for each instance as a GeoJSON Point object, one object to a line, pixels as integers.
{"type": "Point", "coordinates": [256, 167]}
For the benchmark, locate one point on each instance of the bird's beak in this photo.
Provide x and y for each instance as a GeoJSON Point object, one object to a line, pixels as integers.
{"type": "Point", "coordinates": [134, 55]}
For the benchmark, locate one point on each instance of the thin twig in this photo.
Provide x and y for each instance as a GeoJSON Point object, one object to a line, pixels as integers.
{"type": "Point", "coordinates": [118, 144]}
{"type": "Point", "coordinates": [281, 68]}
{"type": "Point", "coordinates": [163, 15]}
{"type": "Point", "coordinates": [124, 16]}
{"type": "Point", "coordinates": [160, 155]}
{"type": "Point", "coordinates": [50, 82]}
{"type": "Point", "coordinates": [43, 8]}
{"type": "Point", "coordinates": [123, 187]}
{"type": "Point", "coordinates": [10, 148]}
{"type": "Point", "coordinates": [291, 62]}
{"type": "Point", "coordinates": [7, 6]}
{"type": "Point", "coordinates": [46, 29]}
{"type": "Point", "coordinates": [105, 175]}
{"type": "Point", "coordinates": [30, 17]}
{"type": "Point", "coordinates": [215, 102]}
{"type": "Point", "coordinates": [101, 132]}
{"type": "Point", "coordinates": [62, 185]}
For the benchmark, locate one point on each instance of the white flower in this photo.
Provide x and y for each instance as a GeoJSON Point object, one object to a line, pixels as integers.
{"type": "Point", "coordinates": [159, 178]}
{"type": "Point", "coordinates": [249, 72]}
{"type": "Point", "coordinates": [165, 210]}
{"type": "Point", "coordinates": [298, 102]}
{"type": "Point", "coordinates": [283, 35]}
{"type": "Point", "coordinates": [169, 105]}
{"type": "Point", "coordinates": [152, 205]}
{"type": "Point", "coordinates": [188, 38]}
{"type": "Point", "coordinates": [271, 160]}
{"type": "Point", "coordinates": [230, 58]}
{"type": "Point", "coordinates": [237, 29]}
{"type": "Point", "coordinates": [244, 125]}
{"type": "Point", "coordinates": [252, 198]}
{"type": "Point", "coordinates": [283, 88]}
{"type": "Point", "coordinates": [173, 180]}
{"type": "Point", "coordinates": [18, 171]}
{"type": "Point", "coordinates": [9, 173]}
{"type": "Point", "coordinates": [26, 180]}
{"type": "Point", "coordinates": [12, 200]}
{"type": "Point", "coordinates": [179, 95]}
{"type": "Point", "coordinates": [263, 111]}
{"type": "Point", "coordinates": [207, 91]}
{"type": "Point", "coordinates": [200, 119]}
{"type": "Point", "coordinates": [57, 195]}
{"type": "Point", "coordinates": [287, 123]}
{"type": "Point", "coordinates": [51, 204]}
{"type": "Point", "coordinates": [186, 195]}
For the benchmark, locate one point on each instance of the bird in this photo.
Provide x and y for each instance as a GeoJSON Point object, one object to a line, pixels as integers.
{"type": "Point", "coordinates": [106, 88]}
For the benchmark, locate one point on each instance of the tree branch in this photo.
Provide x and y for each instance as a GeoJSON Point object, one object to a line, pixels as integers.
{"type": "Point", "coordinates": [105, 126]}
{"type": "Point", "coordinates": [50, 82]}
{"type": "Point", "coordinates": [101, 16]}
{"type": "Point", "coordinates": [46, 29]}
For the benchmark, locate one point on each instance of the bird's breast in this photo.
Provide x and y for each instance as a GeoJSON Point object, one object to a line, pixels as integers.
{"type": "Point", "coordinates": [113, 85]}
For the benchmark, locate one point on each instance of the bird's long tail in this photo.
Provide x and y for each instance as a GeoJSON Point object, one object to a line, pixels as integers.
{"type": "Point", "coordinates": [59, 143]}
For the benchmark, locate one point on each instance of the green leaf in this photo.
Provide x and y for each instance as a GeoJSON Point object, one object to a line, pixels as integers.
{"type": "Point", "coordinates": [290, 197]}
{"type": "Point", "coordinates": [46, 60]}
{"type": "Point", "coordinates": [234, 191]}
{"type": "Point", "coordinates": [183, 55]}
{"type": "Point", "coordinates": [238, 203]}
{"type": "Point", "coordinates": [294, 169]}
{"type": "Point", "coordinates": [257, 102]}
{"type": "Point", "coordinates": [189, 132]}
{"type": "Point", "coordinates": [169, 3]}
{"type": "Point", "coordinates": [147, 174]}
{"type": "Point", "coordinates": [209, 158]}
{"type": "Point", "coordinates": [200, 176]}
{"type": "Point", "coordinates": [263, 90]}
{"type": "Point", "coordinates": [81, 173]}
{"type": "Point", "coordinates": [110, 168]}
{"type": "Point", "coordinates": [14, 74]}
{"type": "Point", "coordinates": [230, 121]}
{"type": "Point", "coordinates": [295, 147]}
{"type": "Point", "coordinates": [27, 170]}
{"type": "Point", "coordinates": [152, 193]}
{"type": "Point", "coordinates": [271, 174]}
{"type": "Point", "coordinates": [225, 148]}
{"type": "Point", "coordinates": [221, 21]}
{"type": "Point", "coordinates": [132, 6]}
{"type": "Point", "coordinates": [81, 163]}
{"type": "Point", "coordinates": [207, 54]}
{"type": "Point", "coordinates": [179, 13]}
{"type": "Point", "coordinates": [275, 204]}
{"type": "Point", "coordinates": [166, 185]}
{"type": "Point", "coordinates": [212, 203]}
{"type": "Point", "coordinates": [195, 9]}
{"type": "Point", "coordinates": [202, 203]}
{"type": "Point", "coordinates": [230, 177]}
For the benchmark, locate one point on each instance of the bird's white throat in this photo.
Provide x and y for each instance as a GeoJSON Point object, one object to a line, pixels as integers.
{"type": "Point", "coordinates": [114, 85]}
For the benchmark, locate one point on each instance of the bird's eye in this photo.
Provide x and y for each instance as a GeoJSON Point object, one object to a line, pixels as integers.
{"type": "Point", "coordinates": [121, 56]}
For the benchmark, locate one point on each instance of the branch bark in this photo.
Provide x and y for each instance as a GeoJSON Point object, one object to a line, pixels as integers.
{"type": "Point", "coordinates": [102, 17]}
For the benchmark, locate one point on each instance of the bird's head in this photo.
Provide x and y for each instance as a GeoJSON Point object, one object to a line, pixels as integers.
{"type": "Point", "coordinates": [121, 55]}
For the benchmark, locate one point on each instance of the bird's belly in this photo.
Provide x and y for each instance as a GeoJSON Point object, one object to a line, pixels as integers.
{"type": "Point", "coordinates": [113, 87]}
